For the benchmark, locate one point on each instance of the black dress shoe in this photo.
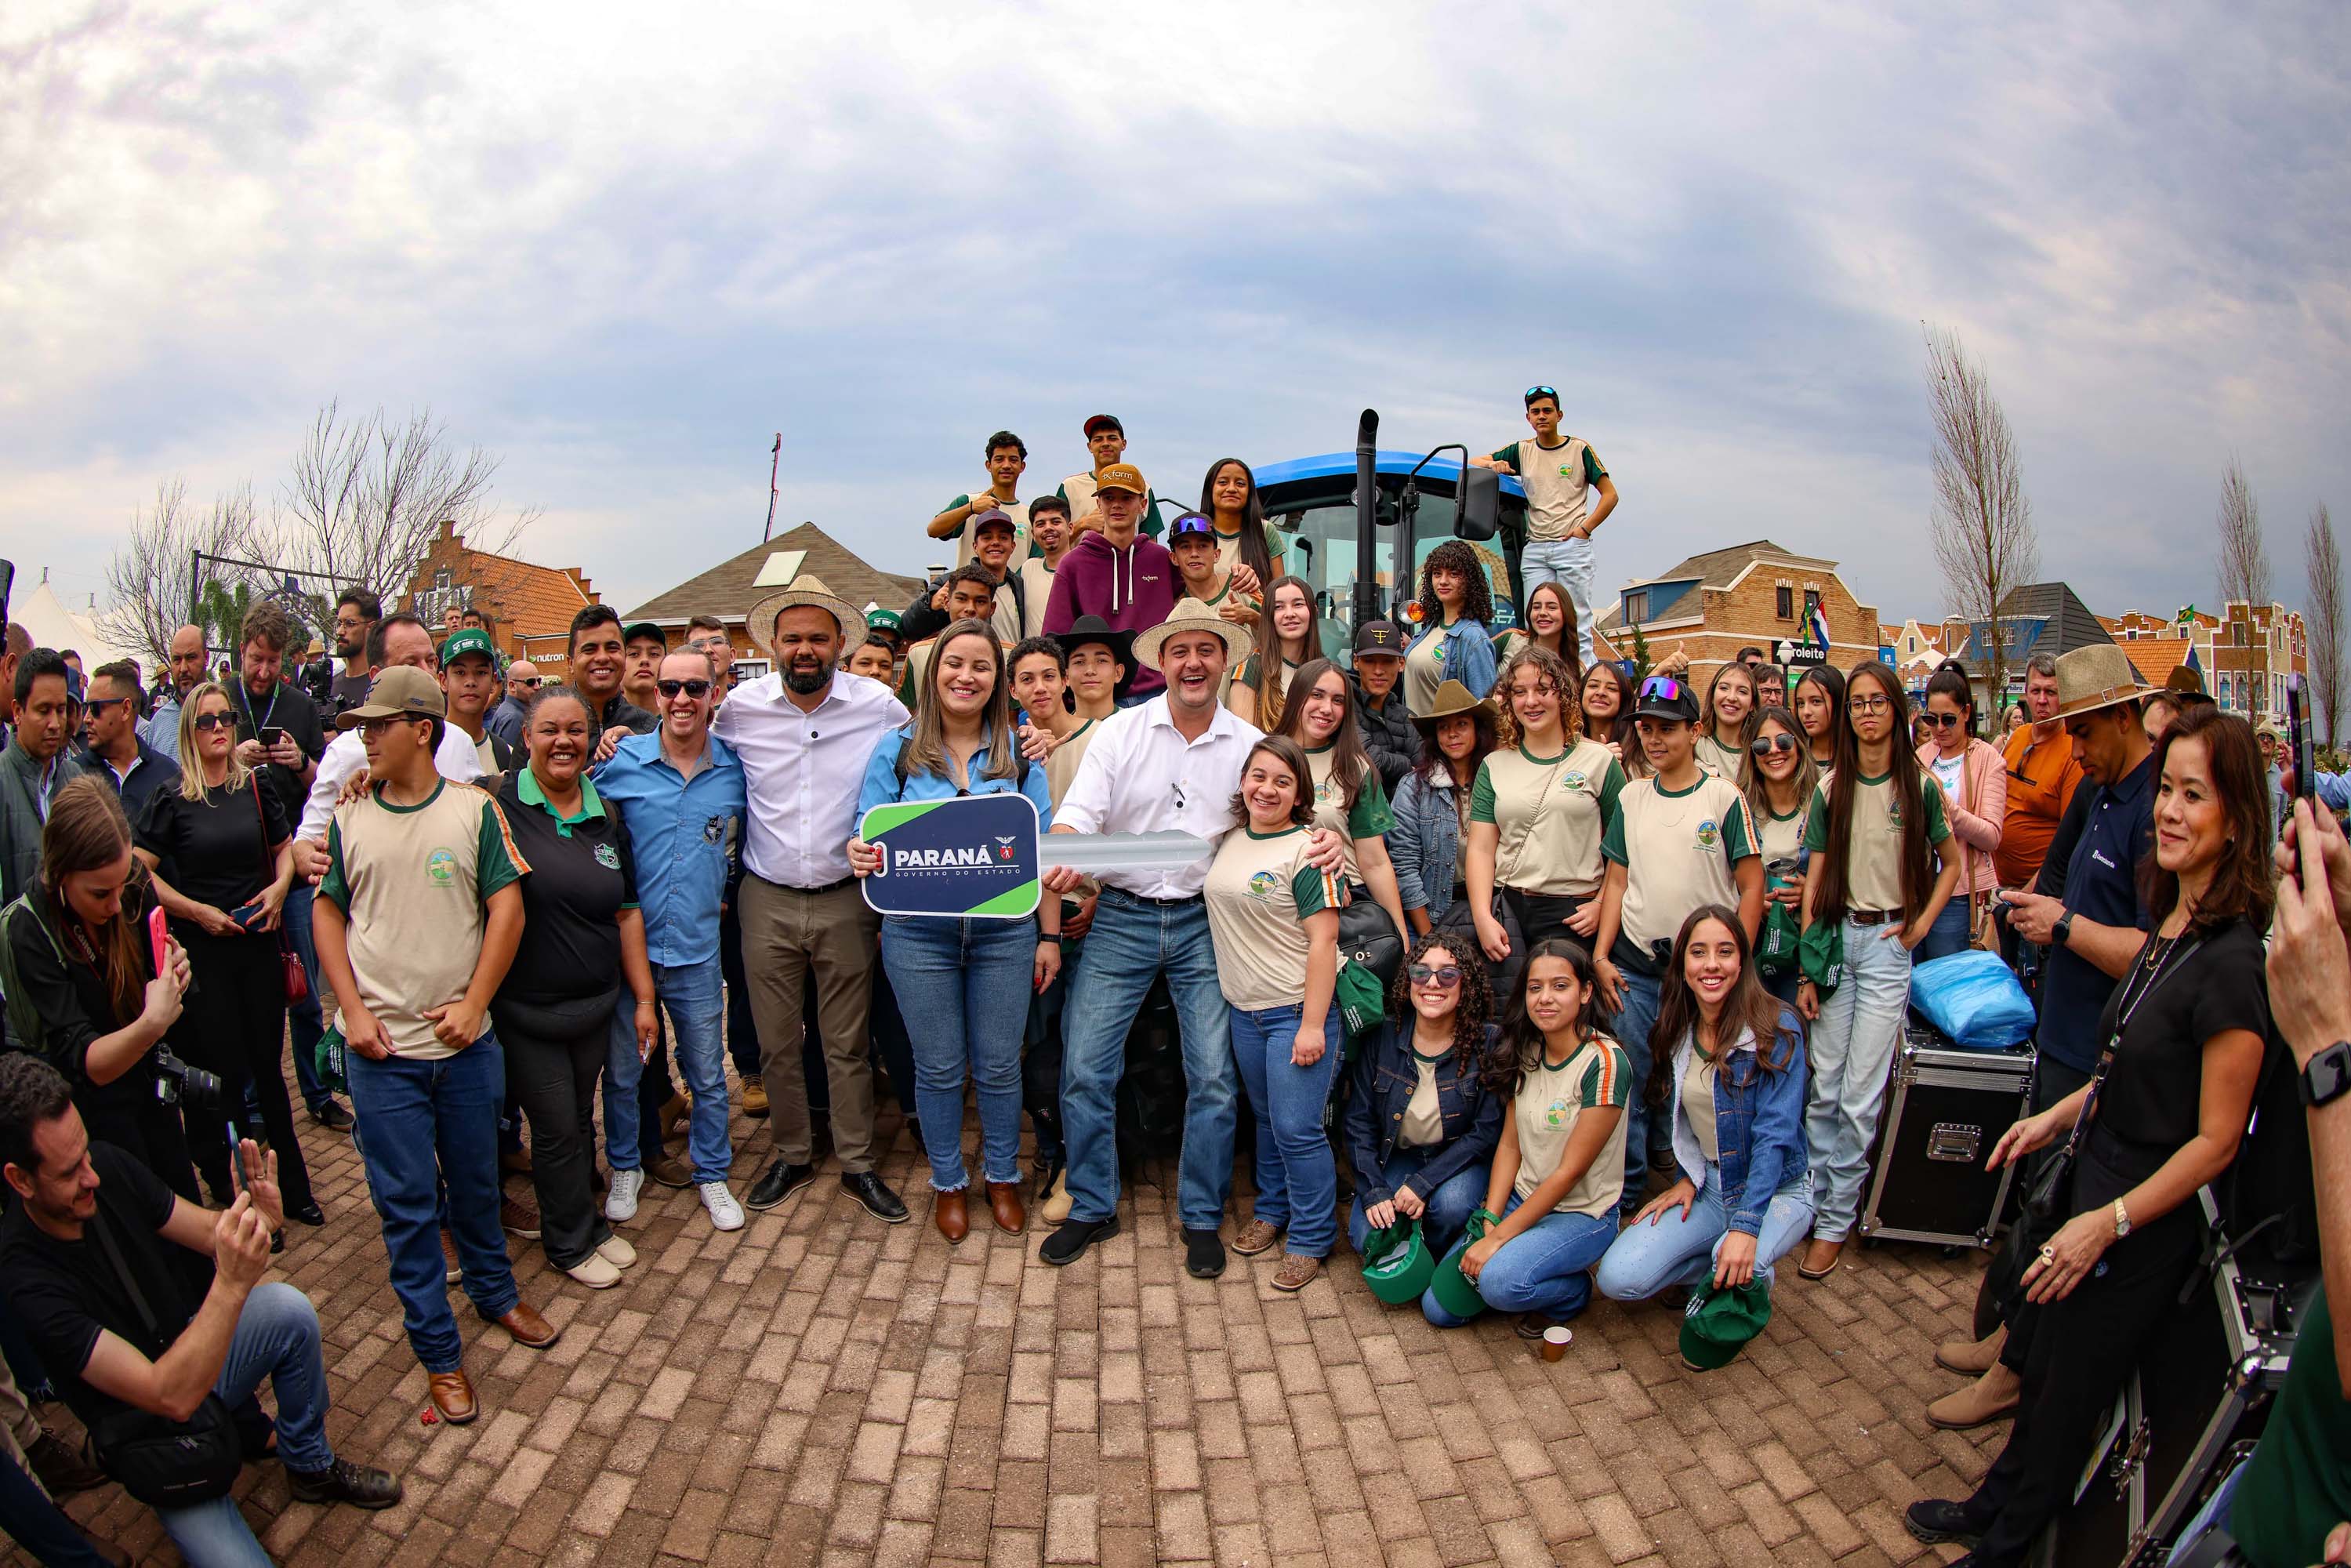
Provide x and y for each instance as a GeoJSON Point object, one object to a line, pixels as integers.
{"type": "Point", "coordinates": [777, 1183]}
{"type": "Point", "coordinates": [332, 1116]}
{"type": "Point", "coordinates": [1204, 1254]}
{"type": "Point", "coordinates": [308, 1214]}
{"type": "Point", "coordinates": [1935, 1522]}
{"type": "Point", "coordinates": [1069, 1243]}
{"type": "Point", "coordinates": [877, 1199]}
{"type": "Point", "coordinates": [343, 1481]}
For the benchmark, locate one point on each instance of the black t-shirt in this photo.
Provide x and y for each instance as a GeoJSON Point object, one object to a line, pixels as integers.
{"type": "Point", "coordinates": [65, 1292]}
{"type": "Point", "coordinates": [60, 977]}
{"type": "Point", "coordinates": [582, 874]}
{"type": "Point", "coordinates": [216, 851]}
{"type": "Point", "coordinates": [346, 692]}
{"type": "Point", "coordinates": [2154, 1093]}
{"type": "Point", "coordinates": [288, 709]}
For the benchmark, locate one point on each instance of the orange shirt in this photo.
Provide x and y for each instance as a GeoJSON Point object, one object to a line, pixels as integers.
{"type": "Point", "coordinates": [2041, 778]}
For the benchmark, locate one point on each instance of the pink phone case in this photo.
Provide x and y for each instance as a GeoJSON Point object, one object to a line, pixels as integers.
{"type": "Point", "coordinates": [160, 938]}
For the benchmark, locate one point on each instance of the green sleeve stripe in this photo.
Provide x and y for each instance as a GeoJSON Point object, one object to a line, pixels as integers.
{"type": "Point", "coordinates": [1612, 836]}
{"type": "Point", "coordinates": [1509, 455]}
{"type": "Point", "coordinates": [1738, 842]}
{"type": "Point", "coordinates": [1593, 469]}
{"type": "Point", "coordinates": [496, 863]}
{"type": "Point", "coordinates": [1612, 785]}
{"type": "Point", "coordinates": [1939, 821]}
{"type": "Point", "coordinates": [1314, 890]}
{"type": "Point", "coordinates": [336, 884]}
{"type": "Point", "coordinates": [1816, 823]}
{"type": "Point", "coordinates": [1481, 795]}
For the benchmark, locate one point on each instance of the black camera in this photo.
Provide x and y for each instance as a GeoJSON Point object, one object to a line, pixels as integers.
{"type": "Point", "coordinates": [177, 1083]}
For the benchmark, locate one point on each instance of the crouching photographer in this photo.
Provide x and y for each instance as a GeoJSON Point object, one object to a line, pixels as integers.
{"type": "Point", "coordinates": [165, 1384]}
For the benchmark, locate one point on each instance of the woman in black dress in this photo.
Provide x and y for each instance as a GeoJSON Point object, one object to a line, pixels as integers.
{"type": "Point", "coordinates": [2163, 1116]}
{"type": "Point", "coordinates": [222, 859]}
{"type": "Point", "coordinates": [82, 988]}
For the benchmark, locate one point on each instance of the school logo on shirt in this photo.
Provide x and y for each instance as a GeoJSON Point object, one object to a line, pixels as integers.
{"type": "Point", "coordinates": [1575, 777]}
{"type": "Point", "coordinates": [1262, 884]}
{"type": "Point", "coordinates": [441, 866]}
{"type": "Point", "coordinates": [607, 857]}
{"type": "Point", "coordinates": [1893, 812]}
{"type": "Point", "coordinates": [1710, 833]}
{"type": "Point", "coordinates": [1564, 472]}
{"type": "Point", "coordinates": [1555, 1114]}
{"type": "Point", "coordinates": [712, 830]}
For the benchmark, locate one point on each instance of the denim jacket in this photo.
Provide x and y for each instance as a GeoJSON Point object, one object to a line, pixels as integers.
{"type": "Point", "coordinates": [1385, 1077]}
{"type": "Point", "coordinates": [1469, 654]}
{"type": "Point", "coordinates": [1424, 844]}
{"type": "Point", "coordinates": [1758, 1123]}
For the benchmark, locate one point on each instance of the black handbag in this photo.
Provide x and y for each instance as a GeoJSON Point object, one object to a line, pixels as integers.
{"type": "Point", "coordinates": [1368, 937]}
{"type": "Point", "coordinates": [161, 1462]}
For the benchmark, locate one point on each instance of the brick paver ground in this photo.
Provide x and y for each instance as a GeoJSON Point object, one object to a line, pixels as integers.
{"type": "Point", "coordinates": [821, 1388]}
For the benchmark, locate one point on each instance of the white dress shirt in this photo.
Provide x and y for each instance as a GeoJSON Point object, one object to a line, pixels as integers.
{"type": "Point", "coordinates": [803, 771]}
{"type": "Point", "coordinates": [1141, 776]}
{"type": "Point", "coordinates": [347, 755]}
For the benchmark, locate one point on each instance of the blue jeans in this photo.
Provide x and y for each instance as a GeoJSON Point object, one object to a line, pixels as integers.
{"type": "Point", "coordinates": [38, 1525]}
{"type": "Point", "coordinates": [1297, 1178]}
{"type": "Point", "coordinates": [1131, 942]}
{"type": "Point", "coordinates": [276, 1337]}
{"type": "Point", "coordinates": [1950, 933]}
{"type": "Point", "coordinates": [965, 984]}
{"type": "Point", "coordinates": [1569, 563]}
{"type": "Point", "coordinates": [1631, 1027]}
{"type": "Point", "coordinates": [692, 997]}
{"type": "Point", "coordinates": [1675, 1249]}
{"type": "Point", "coordinates": [1852, 1050]}
{"type": "Point", "coordinates": [624, 1118]}
{"type": "Point", "coordinates": [1544, 1268]}
{"type": "Point", "coordinates": [305, 1023]}
{"type": "Point", "coordinates": [1449, 1209]}
{"type": "Point", "coordinates": [424, 1125]}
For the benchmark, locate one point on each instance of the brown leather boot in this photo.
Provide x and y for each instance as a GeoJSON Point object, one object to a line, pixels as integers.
{"type": "Point", "coordinates": [1819, 1259]}
{"type": "Point", "coordinates": [1994, 1395]}
{"type": "Point", "coordinates": [453, 1396]}
{"type": "Point", "coordinates": [1972, 1357]}
{"type": "Point", "coordinates": [953, 1214]}
{"type": "Point", "coordinates": [1004, 1204]}
{"type": "Point", "coordinates": [527, 1327]}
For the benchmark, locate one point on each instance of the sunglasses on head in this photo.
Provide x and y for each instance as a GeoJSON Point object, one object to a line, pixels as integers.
{"type": "Point", "coordinates": [696, 689]}
{"type": "Point", "coordinates": [1663, 687]}
{"type": "Point", "coordinates": [205, 721]}
{"type": "Point", "coordinates": [1534, 392]}
{"type": "Point", "coordinates": [1765, 744]}
{"type": "Point", "coordinates": [1429, 974]}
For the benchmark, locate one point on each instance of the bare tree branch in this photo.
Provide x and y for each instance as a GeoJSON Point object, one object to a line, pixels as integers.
{"type": "Point", "coordinates": [2244, 564]}
{"type": "Point", "coordinates": [1982, 521]}
{"type": "Point", "coordinates": [151, 582]}
{"type": "Point", "coordinates": [2323, 559]}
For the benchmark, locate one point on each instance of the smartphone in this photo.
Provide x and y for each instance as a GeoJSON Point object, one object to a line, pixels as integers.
{"type": "Point", "coordinates": [247, 915]}
{"type": "Point", "coordinates": [159, 937]}
{"type": "Point", "coordinates": [271, 735]}
{"type": "Point", "coordinates": [2297, 726]}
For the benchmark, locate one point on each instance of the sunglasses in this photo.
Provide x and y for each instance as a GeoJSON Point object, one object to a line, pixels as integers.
{"type": "Point", "coordinates": [1534, 392]}
{"type": "Point", "coordinates": [1426, 975]}
{"type": "Point", "coordinates": [1765, 744]}
{"type": "Point", "coordinates": [526, 680]}
{"type": "Point", "coordinates": [695, 689]}
{"type": "Point", "coordinates": [205, 721]}
{"type": "Point", "coordinates": [1663, 687]}
{"type": "Point", "coordinates": [1942, 720]}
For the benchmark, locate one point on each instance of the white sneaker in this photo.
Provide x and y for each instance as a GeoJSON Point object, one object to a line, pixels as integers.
{"type": "Point", "coordinates": [726, 1214]}
{"type": "Point", "coordinates": [595, 1272]}
{"type": "Point", "coordinates": [616, 1251]}
{"type": "Point", "coordinates": [621, 1203]}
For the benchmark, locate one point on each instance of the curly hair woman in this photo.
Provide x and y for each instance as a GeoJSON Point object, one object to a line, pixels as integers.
{"type": "Point", "coordinates": [1458, 643]}
{"type": "Point", "coordinates": [1430, 1084]}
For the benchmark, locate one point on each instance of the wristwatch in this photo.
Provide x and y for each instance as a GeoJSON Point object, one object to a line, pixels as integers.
{"type": "Point", "coordinates": [2122, 1221]}
{"type": "Point", "coordinates": [2063, 929]}
{"type": "Point", "coordinates": [2328, 1076]}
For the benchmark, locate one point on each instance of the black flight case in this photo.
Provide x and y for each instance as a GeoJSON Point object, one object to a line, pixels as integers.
{"type": "Point", "coordinates": [1945, 1109]}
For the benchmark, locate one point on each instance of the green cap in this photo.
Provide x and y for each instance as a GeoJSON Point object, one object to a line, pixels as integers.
{"type": "Point", "coordinates": [472, 640]}
{"type": "Point", "coordinates": [884, 621]}
{"type": "Point", "coordinates": [1718, 1323]}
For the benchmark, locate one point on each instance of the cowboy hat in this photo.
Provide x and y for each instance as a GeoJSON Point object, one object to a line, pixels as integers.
{"type": "Point", "coordinates": [1191, 615]}
{"type": "Point", "coordinates": [1452, 698]}
{"type": "Point", "coordinates": [809, 592]}
{"type": "Point", "coordinates": [2185, 686]}
{"type": "Point", "coordinates": [2096, 678]}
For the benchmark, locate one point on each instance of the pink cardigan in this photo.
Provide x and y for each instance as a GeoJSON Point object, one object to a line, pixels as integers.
{"type": "Point", "coordinates": [1977, 814]}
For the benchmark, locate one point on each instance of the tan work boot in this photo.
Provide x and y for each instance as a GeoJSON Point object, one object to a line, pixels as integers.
{"type": "Point", "coordinates": [1987, 1398]}
{"type": "Point", "coordinates": [1972, 1358]}
{"type": "Point", "coordinates": [755, 1096]}
{"type": "Point", "coordinates": [1057, 1202]}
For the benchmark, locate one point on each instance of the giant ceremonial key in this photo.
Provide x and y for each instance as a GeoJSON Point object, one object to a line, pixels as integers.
{"type": "Point", "coordinates": [979, 856]}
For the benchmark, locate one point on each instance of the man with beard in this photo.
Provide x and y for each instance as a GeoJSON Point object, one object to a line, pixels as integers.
{"type": "Point", "coordinates": [803, 734]}
{"type": "Point", "coordinates": [162, 729]}
{"type": "Point", "coordinates": [356, 613]}
{"type": "Point", "coordinates": [599, 660]}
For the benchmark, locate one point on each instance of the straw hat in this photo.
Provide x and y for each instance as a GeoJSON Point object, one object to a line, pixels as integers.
{"type": "Point", "coordinates": [809, 591]}
{"type": "Point", "coordinates": [1191, 615]}
{"type": "Point", "coordinates": [2098, 677]}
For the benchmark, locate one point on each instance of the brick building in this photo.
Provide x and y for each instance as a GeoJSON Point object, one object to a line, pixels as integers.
{"type": "Point", "coordinates": [2157, 643]}
{"type": "Point", "coordinates": [2254, 649]}
{"type": "Point", "coordinates": [730, 589]}
{"type": "Point", "coordinates": [529, 607]}
{"type": "Point", "coordinates": [1750, 595]}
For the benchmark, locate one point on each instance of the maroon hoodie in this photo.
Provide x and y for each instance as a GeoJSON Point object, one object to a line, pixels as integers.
{"type": "Point", "coordinates": [1132, 590]}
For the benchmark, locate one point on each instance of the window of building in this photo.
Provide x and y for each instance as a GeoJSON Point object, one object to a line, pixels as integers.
{"type": "Point", "coordinates": [1637, 608]}
{"type": "Point", "coordinates": [1784, 603]}
{"type": "Point", "coordinates": [1811, 601]}
{"type": "Point", "coordinates": [441, 579]}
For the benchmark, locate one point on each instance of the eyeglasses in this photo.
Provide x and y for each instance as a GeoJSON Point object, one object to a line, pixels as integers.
{"type": "Point", "coordinates": [1941, 720]}
{"type": "Point", "coordinates": [205, 721]}
{"type": "Point", "coordinates": [1534, 392]}
{"type": "Point", "coordinates": [1765, 744]}
{"type": "Point", "coordinates": [1868, 704]}
{"type": "Point", "coordinates": [370, 728]}
{"type": "Point", "coordinates": [1426, 975]}
{"type": "Point", "coordinates": [697, 690]}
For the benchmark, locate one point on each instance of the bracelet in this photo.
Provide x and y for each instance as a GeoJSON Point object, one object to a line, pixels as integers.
{"type": "Point", "coordinates": [648, 1002]}
{"type": "Point", "coordinates": [1052, 936]}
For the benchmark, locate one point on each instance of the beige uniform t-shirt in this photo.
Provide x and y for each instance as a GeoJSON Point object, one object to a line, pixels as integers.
{"type": "Point", "coordinates": [1016, 510]}
{"type": "Point", "coordinates": [1370, 817]}
{"type": "Point", "coordinates": [1551, 814]}
{"type": "Point", "coordinates": [1260, 890]}
{"type": "Point", "coordinates": [1063, 766]}
{"type": "Point", "coordinates": [1558, 482]}
{"type": "Point", "coordinates": [1424, 671]}
{"type": "Point", "coordinates": [1597, 1077]}
{"type": "Point", "coordinates": [412, 881]}
{"type": "Point", "coordinates": [1697, 1102]}
{"type": "Point", "coordinates": [1678, 851]}
{"type": "Point", "coordinates": [1874, 871]}
{"type": "Point", "coordinates": [1718, 760]}
{"type": "Point", "coordinates": [1036, 591]}
{"type": "Point", "coordinates": [1423, 1117]}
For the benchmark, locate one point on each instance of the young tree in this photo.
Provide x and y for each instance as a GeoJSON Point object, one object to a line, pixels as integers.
{"type": "Point", "coordinates": [1982, 521]}
{"type": "Point", "coordinates": [153, 583]}
{"type": "Point", "coordinates": [2323, 561]}
{"type": "Point", "coordinates": [2244, 562]}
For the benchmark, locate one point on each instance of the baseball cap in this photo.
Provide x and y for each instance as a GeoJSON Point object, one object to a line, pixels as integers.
{"type": "Point", "coordinates": [1187, 525]}
{"type": "Point", "coordinates": [472, 640]}
{"type": "Point", "coordinates": [879, 619]}
{"type": "Point", "coordinates": [402, 691]}
{"type": "Point", "coordinates": [630, 634]}
{"type": "Point", "coordinates": [1103, 421]}
{"type": "Point", "coordinates": [994, 517]}
{"type": "Point", "coordinates": [1379, 637]}
{"type": "Point", "coordinates": [1718, 1323]}
{"type": "Point", "coordinates": [1120, 476]}
{"type": "Point", "coordinates": [1663, 696]}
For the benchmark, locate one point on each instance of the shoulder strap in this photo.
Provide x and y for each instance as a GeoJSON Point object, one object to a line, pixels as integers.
{"type": "Point", "coordinates": [268, 866]}
{"type": "Point", "coordinates": [103, 1228]}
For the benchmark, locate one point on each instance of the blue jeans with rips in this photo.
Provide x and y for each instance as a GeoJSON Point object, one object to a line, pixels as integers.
{"type": "Point", "coordinates": [1852, 1051]}
{"type": "Point", "coordinates": [1545, 1268]}
{"type": "Point", "coordinates": [425, 1125]}
{"type": "Point", "coordinates": [1675, 1249]}
{"type": "Point", "coordinates": [1446, 1215]}
{"type": "Point", "coordinates": [1571, 564]}
{"type": "Point", "coordinates": [966, 982]}
{"type": "Point", "coordinates": [1134, 940]}
{"type": "Point", "coordinates": [1297, 1177]}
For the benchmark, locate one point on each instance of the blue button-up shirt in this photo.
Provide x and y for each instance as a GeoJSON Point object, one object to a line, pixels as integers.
{"type": "Point", "coordinates": [2101, 885]}
{"type": "Point", "coordinates": [883, 785]}
{"type": "Point", "coordinates": [687, 835]}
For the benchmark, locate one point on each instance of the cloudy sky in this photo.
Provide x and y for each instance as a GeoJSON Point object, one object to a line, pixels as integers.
{"type": "Point", "coordinates": [622, 247]}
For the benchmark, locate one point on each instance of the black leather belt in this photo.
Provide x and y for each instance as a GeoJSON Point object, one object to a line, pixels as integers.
{"type": "Point", "coordinates": [808, 892]}
{"type": "Point", "coordinates": [1146, 898]}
